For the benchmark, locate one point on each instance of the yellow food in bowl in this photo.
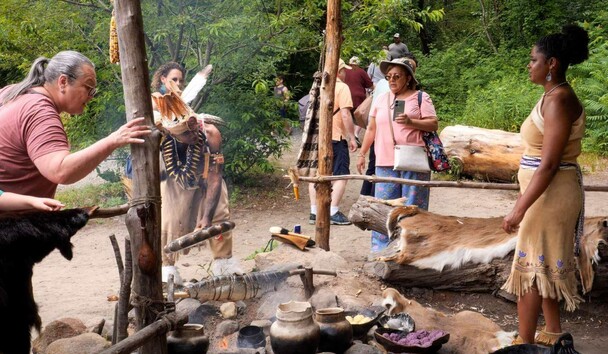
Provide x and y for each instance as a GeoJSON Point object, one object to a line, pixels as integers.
{"type": "Point", "coordinates": [358, 319]}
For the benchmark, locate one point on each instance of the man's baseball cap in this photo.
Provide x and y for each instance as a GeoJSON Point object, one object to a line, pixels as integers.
{"type": "Point", "coordinates": [396, 35]}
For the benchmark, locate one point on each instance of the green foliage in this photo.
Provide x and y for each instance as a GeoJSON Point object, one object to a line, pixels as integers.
{"type": "Point", "coordinates": [475, 71]}
{"type": "Point", "coordinates": [272, 244]}
{"type": "Point", "coordinates": [109, 175]}
{"type": "Point", "coordinates": [503, 103]}
{"type": "Point", "coordinates": [473, 85]}
{"type": "Point", "coordinates": [590, 80]}
{"type": "Point", "coordinates": [103, 195]}
{"type": "Point", "coordinates": [368, 25]}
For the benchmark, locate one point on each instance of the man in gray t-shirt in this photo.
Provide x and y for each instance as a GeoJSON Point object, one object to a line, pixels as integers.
{"type": "Point", "coordinates": [397, 49]}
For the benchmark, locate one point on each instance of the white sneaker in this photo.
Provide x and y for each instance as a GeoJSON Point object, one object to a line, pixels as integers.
{"type": "Point", "coordinates": [226, 266]}
{"type": "Point", "coordinates": [166, 270]}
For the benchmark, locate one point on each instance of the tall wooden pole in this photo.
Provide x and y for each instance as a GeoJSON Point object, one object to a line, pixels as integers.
{"type": "Point", "coordinates": [326, 109]}
{"type": "Point", "coordinates": [143, 217]}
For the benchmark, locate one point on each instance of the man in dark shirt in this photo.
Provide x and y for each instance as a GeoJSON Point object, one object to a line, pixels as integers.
{"type": "Point", "coordinates": [397, 49]}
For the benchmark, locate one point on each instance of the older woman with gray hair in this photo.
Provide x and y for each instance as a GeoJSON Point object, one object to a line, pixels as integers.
{"type": "Point", "coordinates": [36, 154]}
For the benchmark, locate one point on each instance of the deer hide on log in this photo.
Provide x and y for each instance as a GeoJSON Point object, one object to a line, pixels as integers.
{"type": "Point", "coordinates": [485, 154]}
{"type": "Point", "coordinates": [460, 253]}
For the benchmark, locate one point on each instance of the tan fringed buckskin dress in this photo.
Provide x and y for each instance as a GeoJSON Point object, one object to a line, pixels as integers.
{"type": "Point", "coordinates": [544, 255]}
{"type": "Point", "coordinates": [184, 202]}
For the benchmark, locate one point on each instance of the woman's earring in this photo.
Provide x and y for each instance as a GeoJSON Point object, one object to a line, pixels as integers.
{"type": "Point", "coordinates": [548, 77]}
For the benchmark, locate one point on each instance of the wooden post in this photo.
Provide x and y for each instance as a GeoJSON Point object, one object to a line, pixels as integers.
{"type": "Point", "coordinates": [328, 85]}
{"type": "Point", "coordinates": [143, 217]}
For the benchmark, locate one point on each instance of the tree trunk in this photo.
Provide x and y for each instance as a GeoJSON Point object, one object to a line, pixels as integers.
{"type": "Point", "coordinates": [370, 213]}
{"type": "Point", "coordinates": [328, 85]}
{"type": "Point", "coordinates": [423, 34]}
{"type": "Point", "coordinates": [486, 154]}
{"type": "Point", "coordinates": [143, 218]}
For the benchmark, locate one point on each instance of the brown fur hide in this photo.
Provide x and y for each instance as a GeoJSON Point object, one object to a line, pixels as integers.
{"type": "Point", "coordinates": [433, 241]}
{"type": "Point", "coordinates": [470, 332]}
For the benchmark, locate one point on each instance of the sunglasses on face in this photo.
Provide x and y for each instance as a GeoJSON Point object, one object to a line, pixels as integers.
{"type": "Point", "coordinates": [393, 77]}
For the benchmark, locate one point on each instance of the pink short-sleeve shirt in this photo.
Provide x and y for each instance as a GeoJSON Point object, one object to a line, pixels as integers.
{"type": "Point", "coordinates": [382, 112]}
{"type": "Point", "coordinates": [30, 127]}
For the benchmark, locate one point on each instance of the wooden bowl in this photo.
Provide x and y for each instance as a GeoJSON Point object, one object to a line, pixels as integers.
{"type": "Point", "coordinates": [374, 312]}
{"type": "Point", "coordinates": [394, 347]}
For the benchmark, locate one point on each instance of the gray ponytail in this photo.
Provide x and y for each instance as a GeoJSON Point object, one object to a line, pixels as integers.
{"type": "Point", "coordinates": [43, 70]}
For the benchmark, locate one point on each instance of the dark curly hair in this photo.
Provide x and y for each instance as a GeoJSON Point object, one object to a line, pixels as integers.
{"type": "Point", "coordinates": [164, 70]}
{"type": "Point", "coordinates": [571, 46]}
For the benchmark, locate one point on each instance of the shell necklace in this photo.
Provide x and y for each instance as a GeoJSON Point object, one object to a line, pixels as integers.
{"type": "Point", "coordinates": [183, 169]}
{"type": "Point", "coordinates": [554, 87]}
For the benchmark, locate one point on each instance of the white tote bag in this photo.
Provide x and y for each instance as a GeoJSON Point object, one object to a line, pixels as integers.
{"type": "Point", "coordinates": [411, 158]}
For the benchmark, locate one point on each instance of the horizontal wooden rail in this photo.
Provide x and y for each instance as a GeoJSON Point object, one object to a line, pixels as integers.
{"type": "Point", "coordinates": [443, 184]}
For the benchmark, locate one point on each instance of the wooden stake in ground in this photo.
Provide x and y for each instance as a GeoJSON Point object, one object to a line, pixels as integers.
{"type": "Point", "coordinates": [328, 85]}
{"type": "Point", "coordinates": [143, 218]}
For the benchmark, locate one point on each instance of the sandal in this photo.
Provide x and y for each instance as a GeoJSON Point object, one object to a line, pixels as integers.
{"type": "Point", "coordinates": [547, 338]}
{"type": "Point", "coordinates": [517, 340]}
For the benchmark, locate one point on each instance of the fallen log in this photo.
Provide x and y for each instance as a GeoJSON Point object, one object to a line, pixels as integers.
{"type": "Point", "coordinates": [370, 213]}
{"type": "Point", "coordinates": [485, 154]}
{"type": "Point", "coordinates": [483, 278]}
{"type": "Point", "coordinates": [438, 245]}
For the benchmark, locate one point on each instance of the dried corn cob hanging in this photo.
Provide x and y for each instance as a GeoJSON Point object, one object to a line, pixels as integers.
{"type": "Point", "coordinates": [114, 55]}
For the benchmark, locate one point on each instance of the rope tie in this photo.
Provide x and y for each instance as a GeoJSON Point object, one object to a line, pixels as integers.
{"type": "Point", "coordinates": [146, 201]}
{"type": "Point", "coordinates": [146, 304]}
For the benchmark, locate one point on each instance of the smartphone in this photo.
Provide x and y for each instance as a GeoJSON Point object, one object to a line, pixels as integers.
{"type": "Point", "coordinates": [399, 108]}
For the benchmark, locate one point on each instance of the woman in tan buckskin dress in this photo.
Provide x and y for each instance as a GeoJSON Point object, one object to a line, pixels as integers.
{"type": "Point", "coordinates": [549, 208]}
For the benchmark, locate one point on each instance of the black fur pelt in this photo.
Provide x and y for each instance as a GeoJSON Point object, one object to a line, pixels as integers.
{"type": "Point", "coordinates": [25, 240]}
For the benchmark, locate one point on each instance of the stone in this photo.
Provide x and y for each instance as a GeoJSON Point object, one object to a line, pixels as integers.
{"type": "Point", "coordinates": [58, 329]}
{"type": "Point", "coordinates": [225, 328]}
{"type": "Point", "coordinates": [96, 325]}
{"type": "Point", "coordinates": [360, 348]}
{"type": "Point", "coordinates": [86, 343]}
{"type": "Point", "coordinates": [187, 305]}
{"type": "Point", "coordinates": [270, 301]}
{"type": "Point", "coordinates": [323, 298]}
{"type": "Point", "coordinates": [228, 310]}
{"type": "Point", "coordinates": [202, 313]}
{"type": "Point", "coordinates": [108, 330]}
{"type": "Point", "coordinates": [241, 307]}
{"type": "Point", "coordinates": [264, 324]}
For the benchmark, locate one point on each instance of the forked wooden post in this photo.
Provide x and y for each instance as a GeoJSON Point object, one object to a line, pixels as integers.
{"type": "Point", "coordinates": [326, 109]}
{"type": "Point", "coordinates": [143, 217]}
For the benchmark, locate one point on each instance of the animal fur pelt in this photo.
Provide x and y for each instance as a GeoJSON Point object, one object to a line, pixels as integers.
{"type": "Point", "coordinates": [470, 332]}
{"type": "Point", "coordinates": [431, 241]}
{"type": "Point", "coordinates": [26, 239]}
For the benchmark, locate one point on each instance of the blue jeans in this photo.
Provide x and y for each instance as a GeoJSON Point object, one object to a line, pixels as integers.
{"type": "Point", "coordinates": [416, 195]}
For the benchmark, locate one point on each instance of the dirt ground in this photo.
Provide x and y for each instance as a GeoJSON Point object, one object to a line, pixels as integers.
{"type": "Point", "coordinates": [80, 288]}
